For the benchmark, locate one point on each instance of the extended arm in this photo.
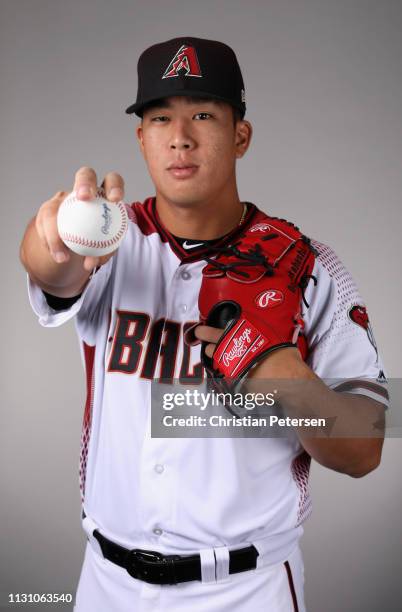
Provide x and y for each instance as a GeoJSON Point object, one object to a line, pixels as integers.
{"type": "Point", "coordinates": [49, 263]}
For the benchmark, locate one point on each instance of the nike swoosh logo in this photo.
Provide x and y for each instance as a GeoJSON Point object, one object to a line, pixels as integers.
{"type": "Point", "coordinates": [191, 246]}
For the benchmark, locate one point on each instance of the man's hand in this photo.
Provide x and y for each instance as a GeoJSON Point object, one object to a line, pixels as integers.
{"type": "Point", "coordinates": [350, 445]}
{"type": "Point", "coordinates": [48, 261]}
{"type": "Point", "coordinates": [206, 333]}
{"type": "Point", "coordinates": [281, 363]}
{"type": "Point", "coordinates": [85, 186]}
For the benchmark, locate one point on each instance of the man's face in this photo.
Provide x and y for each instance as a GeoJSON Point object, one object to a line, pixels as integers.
{"type": "Point", "coordinates": [191, 149]}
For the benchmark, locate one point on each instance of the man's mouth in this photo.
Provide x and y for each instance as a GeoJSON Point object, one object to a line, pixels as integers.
{"type": "Point", "coordinates": [182, 170]}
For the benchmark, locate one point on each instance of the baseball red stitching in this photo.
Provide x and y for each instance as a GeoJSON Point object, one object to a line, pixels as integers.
{"type": "Point", "coordinates": [97, 243]}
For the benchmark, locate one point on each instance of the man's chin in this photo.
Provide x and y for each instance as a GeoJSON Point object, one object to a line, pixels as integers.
{"type": "Point", "coordinates": [185, 200]}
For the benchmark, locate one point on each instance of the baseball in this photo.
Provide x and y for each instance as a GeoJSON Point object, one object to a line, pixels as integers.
{"type": "Point", "coordinates": [96, 227]}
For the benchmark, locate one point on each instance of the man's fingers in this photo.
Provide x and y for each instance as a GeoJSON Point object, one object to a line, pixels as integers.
{"type": "Point", "coordinates": [57, 249]}
{"type": "Point", "coordinates": [40, 229]}
{"type": "Point", "coordinates": [85, 183]}
{"type": "Point", "coordinates": [93, 262]}
{"type": "Point", "coordinates": [206, 333]}
{"type": "Point", "coordinates": [56, 246]}
{"type": "Point", "coordinates": [113, 185]}
{"type": "Point", "coordinates": [209, 349]}
{"type": "Point", "coordinates": [46, 226]}
{"type": "Point", "coordinates": [59, 196]}
{"type": "Point", "coordinates": [209, 334]}
{"type": "Point", "coordinates": [90, 263]}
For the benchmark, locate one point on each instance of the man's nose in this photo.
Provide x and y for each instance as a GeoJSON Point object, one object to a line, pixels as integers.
{"type": "Point", "coordinates": [181, 137]}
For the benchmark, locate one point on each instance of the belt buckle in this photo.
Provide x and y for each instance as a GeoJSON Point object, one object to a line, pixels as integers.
{"type": "Point", "coordinates": [139, 562]}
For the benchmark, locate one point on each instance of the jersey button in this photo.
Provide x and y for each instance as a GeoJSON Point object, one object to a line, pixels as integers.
{"type": "Point", "coordinates": [185, 275]}
{"type": "Point", "coordinates": [183, 307]}
{"type": "Point", "coordinates": [159, 468]}
{"type": "Point", "coordinates": [157, 531]}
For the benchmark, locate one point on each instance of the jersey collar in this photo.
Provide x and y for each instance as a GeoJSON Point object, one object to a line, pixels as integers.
{"type": "Point", "coordinates": [197, 254]}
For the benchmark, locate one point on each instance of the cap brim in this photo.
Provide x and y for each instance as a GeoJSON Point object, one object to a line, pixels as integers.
{"type": "Point", "coordinates": [132, 109]}
{"type": "Point", "coordinates": [138, 107]}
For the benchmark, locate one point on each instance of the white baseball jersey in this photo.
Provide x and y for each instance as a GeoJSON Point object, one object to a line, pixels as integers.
{"type": "Point", "coordinates": [181, 495]}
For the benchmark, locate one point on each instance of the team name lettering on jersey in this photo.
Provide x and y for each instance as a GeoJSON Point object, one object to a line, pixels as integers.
{"type": "Point", "coordinates": [159, 341]}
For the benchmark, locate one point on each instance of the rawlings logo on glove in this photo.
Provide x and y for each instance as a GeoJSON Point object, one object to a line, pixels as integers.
{"type": "Point", "coordinates": [254, 290]}
{"type": "Point", "coordinates": [237, 347]}
{"type": "Point", "coordinates": [269, 299]}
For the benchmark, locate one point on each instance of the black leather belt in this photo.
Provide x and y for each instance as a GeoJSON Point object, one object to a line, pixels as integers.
{"type": "Point", "coordinates": [155, 568]}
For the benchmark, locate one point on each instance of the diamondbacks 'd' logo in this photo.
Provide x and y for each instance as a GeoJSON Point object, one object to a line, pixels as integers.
{"type": "Point", "coordinates": [358, 314]}
{"type": "Point", "coordinates": [269, 299]}
{"type": "Point", "coordinates": [184, 63]}
{"type": "Point", "coordinates": [260, 227]}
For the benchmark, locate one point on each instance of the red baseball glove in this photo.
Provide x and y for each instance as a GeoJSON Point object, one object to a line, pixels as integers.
{"type": "Point", "coordinates": [254, 289]}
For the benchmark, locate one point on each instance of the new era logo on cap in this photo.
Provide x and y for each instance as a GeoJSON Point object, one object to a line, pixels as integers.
{"type": "Point", "coordinates": [185, 62]}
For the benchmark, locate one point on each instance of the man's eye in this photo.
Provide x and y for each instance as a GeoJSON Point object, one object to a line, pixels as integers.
{"type": "Point", "coordinates": [203, 116]}
{"type": "Point", "coordinates": [159, 119]}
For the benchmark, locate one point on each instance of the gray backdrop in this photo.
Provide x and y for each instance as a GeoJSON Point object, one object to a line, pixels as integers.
{"type": "Point", "coordinates": [323, 82]}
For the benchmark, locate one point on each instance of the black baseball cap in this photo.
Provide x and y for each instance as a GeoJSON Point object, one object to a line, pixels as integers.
{"type": "Point", "coordinates": [189, 66]}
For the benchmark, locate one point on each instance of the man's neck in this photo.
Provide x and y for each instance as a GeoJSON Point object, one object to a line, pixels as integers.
{"type": "Point", "coordinates": [204, 221]}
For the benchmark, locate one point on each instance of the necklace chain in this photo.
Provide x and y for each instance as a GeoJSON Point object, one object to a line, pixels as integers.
{"type": "Point", "coordinates": [243, 215]}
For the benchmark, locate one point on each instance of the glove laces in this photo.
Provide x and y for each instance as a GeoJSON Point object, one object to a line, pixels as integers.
{"type": "Point", "coordinates": [303, 283]}
{"type": "Point", "coordinates": [252, 257]}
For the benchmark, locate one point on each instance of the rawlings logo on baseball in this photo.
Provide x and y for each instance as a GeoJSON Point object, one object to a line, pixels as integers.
{"type": "Point", "coordinates": [108, 218]}
{"type": "Point", "coordinates": [269, 298]}
{"type": "Point", "coordinates": [239, 347]}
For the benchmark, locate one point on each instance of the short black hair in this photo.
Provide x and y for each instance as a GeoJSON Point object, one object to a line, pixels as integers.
{"type": "Point", "coordinates": [193, 100]}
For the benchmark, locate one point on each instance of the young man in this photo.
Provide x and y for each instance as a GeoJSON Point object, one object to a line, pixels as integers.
{"type": "Point", "coordinates": [207, 523]}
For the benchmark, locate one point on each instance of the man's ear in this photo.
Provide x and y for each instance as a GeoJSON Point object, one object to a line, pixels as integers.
{"type": "Point", "coordinates": [244, 132]}
{"type": "Point", "coordinates": [140, 136]}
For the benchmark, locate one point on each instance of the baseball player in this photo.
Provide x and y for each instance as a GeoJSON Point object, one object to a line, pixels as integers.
{"type": "Point", "coordinates": [206, 523]}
